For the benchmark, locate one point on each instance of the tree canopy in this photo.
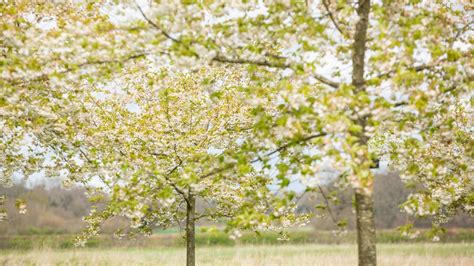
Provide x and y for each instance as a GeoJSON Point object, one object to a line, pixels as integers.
{"type": "Point", "coordinates": [352, 84]}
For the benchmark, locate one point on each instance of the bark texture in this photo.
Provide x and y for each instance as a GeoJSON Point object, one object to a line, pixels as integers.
{"type": "Point", "coordinates": [190, 231]}
{"type": "Point", "coordinates": [363, 197]}
{"type": "Point", "coordinates": [365, 229]}
{"type": "Point", "coordinates": [358, 47]}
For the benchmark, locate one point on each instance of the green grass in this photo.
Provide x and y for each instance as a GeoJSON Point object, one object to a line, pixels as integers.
{"type": "Point", "coordinates": [172, 238]}
{"type": "Point", "coordinates": [388, 254]}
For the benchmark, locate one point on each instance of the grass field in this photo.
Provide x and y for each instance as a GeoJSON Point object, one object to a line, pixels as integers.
{"type": "Point", "coordinates": [389, 254]}
{"type": "Point", "coordinates": [173, 239]}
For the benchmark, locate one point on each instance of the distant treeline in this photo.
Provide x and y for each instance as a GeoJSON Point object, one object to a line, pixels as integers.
{"type": "Point", "coordinates": [60, 211]}
{"type": "Point", "coordinates": [389, 193]}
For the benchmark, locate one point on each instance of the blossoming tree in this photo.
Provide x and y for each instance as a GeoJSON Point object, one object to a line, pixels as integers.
{"type": "Point", "coordinates": [185, 127]}
{"type": "Point", "coordinates": [355, 84]}
{"type": "Point", "coordinates": [155, 142]}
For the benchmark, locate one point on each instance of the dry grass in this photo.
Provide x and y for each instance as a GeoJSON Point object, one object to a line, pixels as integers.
{"type": "Point", "coordinates": [389, 254]}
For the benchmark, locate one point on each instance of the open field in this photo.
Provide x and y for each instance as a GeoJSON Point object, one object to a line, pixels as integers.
{"type": "Point", "coordinates": [389, 254]}
{"type": "Point", "coordinates": [174, 239]}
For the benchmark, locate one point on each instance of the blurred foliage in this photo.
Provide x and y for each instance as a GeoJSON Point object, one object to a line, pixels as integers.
{"type": "Point", "coordinates": [60, 211]}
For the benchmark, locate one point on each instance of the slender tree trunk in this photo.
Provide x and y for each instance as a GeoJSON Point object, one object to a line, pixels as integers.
{"type": "Point", "coordinates": [363, 196]}
{"type": "Point", "coordinates": [190, 231]}
{"type": "Point", "coordinates": [365, 228]}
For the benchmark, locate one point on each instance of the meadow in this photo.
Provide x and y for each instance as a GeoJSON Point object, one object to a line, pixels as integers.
{"type": "Point", "coordinates": [316, 254]}
{"type": "Point", "coordinates": [172, 238]}
{"type": "Point", "coordinates": [305, 247]}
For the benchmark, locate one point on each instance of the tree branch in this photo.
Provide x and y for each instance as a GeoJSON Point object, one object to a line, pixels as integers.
{"type": "Point", "coordinates": [420, 68]}
{"type": "Point", "coordinates": [224, 59]}
{"type": "Point", "coordinates": [171, 183]}
{"type": "Point", "coordinates": [261, 158]}
{"type": "Point", "coordinates": [326, 201]}
{"type": "Point", "coordinates": [198, 217]}
{"type": "Point", "coordinates": [460, 32]}
{"type": "Point", "coordinates": [326, 6]}
{"type": "Point", "coordinates": [69, 69]}
{"type": "Point", "coordinates": [156, 25]}
{"type": "Point", "coordinates": [284, 147]}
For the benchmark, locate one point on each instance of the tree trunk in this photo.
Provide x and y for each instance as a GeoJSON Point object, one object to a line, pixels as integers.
{"type": "Point", "coordinates": [363, 196]}
{"type": "Point", "coordinates": [365, 228]}
{"type": "Point", "coordinates": [190, 231]}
